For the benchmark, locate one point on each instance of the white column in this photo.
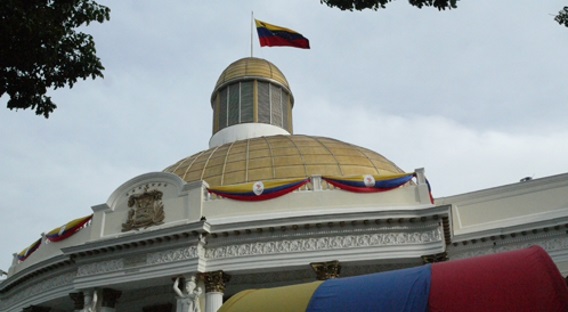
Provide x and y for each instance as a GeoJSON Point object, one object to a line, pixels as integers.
{"type": "Point", "coordinates": [213, 301]}
{"type": "Point", "coordinates": [214, 289]}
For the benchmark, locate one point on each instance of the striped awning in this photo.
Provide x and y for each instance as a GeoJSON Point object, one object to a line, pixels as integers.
{"type": "Point", "coordinates": [522, 280]}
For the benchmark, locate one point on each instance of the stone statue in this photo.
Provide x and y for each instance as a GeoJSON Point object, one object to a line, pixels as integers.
{"type": "Point", "coordinates": [90, 303]}
{"type": "Point", "coordinates": [188, 299]}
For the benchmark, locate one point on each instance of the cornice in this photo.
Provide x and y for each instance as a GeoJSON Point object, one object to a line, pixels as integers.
{"type": "Point", "coordinates": [519, 230]}
{"type": "Point", "coordinates": [349, 217]}
{"type": "Point", "coordinates": [36, 270]}
{"type": "Point", "coordinates": [514, 189]}
{"type": "Point", "coordinates": [136, 239]}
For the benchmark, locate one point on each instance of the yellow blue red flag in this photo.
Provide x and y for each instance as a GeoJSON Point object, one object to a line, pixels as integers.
{"type": "Point", "coordinates": [276, 36]}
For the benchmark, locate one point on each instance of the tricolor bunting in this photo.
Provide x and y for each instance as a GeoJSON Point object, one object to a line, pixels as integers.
{"type": "Point", "coordinates": [257, 191]}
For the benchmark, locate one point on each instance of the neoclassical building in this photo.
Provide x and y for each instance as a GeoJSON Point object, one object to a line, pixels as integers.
{"type": "Point", "coordinates": [263, 207]}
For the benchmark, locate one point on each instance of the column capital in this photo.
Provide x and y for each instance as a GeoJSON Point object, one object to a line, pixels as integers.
{"type": "Point", "coordinates": [326, 270]}
{"type": "Point", "coordinates": [215, 281]}
{"type": "Point", "coordinates": [439, 257]}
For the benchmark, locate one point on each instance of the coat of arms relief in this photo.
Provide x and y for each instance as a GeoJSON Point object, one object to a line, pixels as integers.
{"type": "Point", "coordinates": [146, 209]}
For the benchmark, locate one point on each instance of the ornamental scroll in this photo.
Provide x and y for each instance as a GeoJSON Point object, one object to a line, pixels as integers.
{"type": "Point", "coordinates": [146, 210]}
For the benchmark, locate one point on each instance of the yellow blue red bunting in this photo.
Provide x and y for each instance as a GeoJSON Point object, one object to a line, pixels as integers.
{"type": "Point", "coordinates": [256, 191]}
{"type": "Point", "coordinates": [67, 230]}
{"type": "Point", "coordinates": [24, 254]}
{"type": "Point", "coordinates": [369, 183]}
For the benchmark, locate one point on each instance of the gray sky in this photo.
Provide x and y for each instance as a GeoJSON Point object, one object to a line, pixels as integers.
{"type": "Point", "coordinates": [476, 96]}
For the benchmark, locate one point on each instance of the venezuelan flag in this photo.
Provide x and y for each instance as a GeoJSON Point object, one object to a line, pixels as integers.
{"type": "Point", "coordinates": [276, 36]}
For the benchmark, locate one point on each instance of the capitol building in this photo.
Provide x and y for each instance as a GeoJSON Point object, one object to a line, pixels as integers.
{"type": "Point", "coordinates": [263, 207]}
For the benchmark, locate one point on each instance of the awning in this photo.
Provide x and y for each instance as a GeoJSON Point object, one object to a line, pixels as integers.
{"type": "Point", "coordinates": [522, 280]}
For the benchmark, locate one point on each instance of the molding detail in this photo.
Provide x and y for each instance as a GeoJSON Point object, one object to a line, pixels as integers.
{"type": "Point", "coordinates": [172, 255]}
{"type": "Point", "coordinates": [551, 244]}
{"type": "Point", "coordinates": [324, 243]}
{"type": "Point", "coordinates": [100, 267]}
{"type": "Point", "coordinates": [38, 288]}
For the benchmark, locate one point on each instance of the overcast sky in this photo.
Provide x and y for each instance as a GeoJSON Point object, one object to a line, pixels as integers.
{"type": "Point", "coordinates": [476, 96]}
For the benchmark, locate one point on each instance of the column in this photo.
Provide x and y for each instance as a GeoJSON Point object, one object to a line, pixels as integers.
{"type": "Point", "coordinates": [326, 270]}
{"type": "Point", "coordinates": [109, 297]}
{"type": "Point", "coordinates": [214, 289]}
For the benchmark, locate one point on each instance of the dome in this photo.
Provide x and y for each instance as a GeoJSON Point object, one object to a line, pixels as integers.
{"type": "Point", "coordinates": [251, 68]}
{"type": "Point", "coordinates": [252, 98]}
{"type": "Point", "coordinates": [280, 157]}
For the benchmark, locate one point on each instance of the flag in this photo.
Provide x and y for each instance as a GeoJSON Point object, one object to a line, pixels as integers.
{"type": "Point", "coordinates": [276, 36]}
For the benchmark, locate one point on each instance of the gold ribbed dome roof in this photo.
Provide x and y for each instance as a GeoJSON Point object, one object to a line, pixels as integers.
{"type": "Point", "coordinates": [251, 68]}
{"type": "Point", "coordinates": [280, 157]}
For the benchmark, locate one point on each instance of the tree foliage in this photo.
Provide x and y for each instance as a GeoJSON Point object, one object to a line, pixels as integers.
{"type": "Point", "coordinates": [381, 4]}
{"type": "Point", "coordinates": [40, 48]}
{"type": "Point", "coordinates": [359, 5]}
{"type": "Point", "coordinates": [562, 17]}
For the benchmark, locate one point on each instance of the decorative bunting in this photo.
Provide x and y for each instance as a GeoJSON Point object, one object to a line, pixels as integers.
{"type": "Point", "coordinates": [259, 190]}
{"type": "Point", "coordinates": [369, 183]}
{"type": "Point", "coordinates": [67, 230]}
{"type": "Point", "coordinates": [429, 191]}
{"type": "Point", "coordinates": [24, 254]}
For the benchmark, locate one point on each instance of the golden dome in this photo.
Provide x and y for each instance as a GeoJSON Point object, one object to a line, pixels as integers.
{"type": "Point", "coordinates": [251, 68]}
{"type": "Point", "coordinates": [280, 157]}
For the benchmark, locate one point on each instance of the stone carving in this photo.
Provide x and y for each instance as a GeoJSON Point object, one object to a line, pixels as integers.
{"type": "Point", "coordinates": [215, 281]}
{"type": "Point", "coordinates": [188, 298]}
{"type": "Point", "coordinates": [100, 267]}
{"type": "Point", "coordinates": [326, 270]}
{"type": "Point", "coordinates": [433, 258]}
{"type": "Point", "coordinates": [324, 243]}
{"type": "Point", "coordinates": [172, 255]}
{"type": "Point", "coordinates": [146, 210]}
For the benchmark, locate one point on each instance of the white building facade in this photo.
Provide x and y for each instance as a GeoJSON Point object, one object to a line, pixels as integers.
{"type": "Point", "coordinates": [203, 220]}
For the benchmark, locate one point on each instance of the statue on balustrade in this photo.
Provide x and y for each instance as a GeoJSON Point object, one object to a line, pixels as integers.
{"type": "Point", "coordinates": [188, 298]}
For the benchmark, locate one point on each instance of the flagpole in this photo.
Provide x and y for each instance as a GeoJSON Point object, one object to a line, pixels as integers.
{"type": "Point", "coordinates": [251, 28]}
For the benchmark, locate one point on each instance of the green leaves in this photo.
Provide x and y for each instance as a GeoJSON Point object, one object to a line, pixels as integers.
{"type": "Point", "coordinates": [40, 48]}
{"type": "Point", "coordinates": [360, 5]}
{"type": "Point", "coordinates": [562, 17]}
